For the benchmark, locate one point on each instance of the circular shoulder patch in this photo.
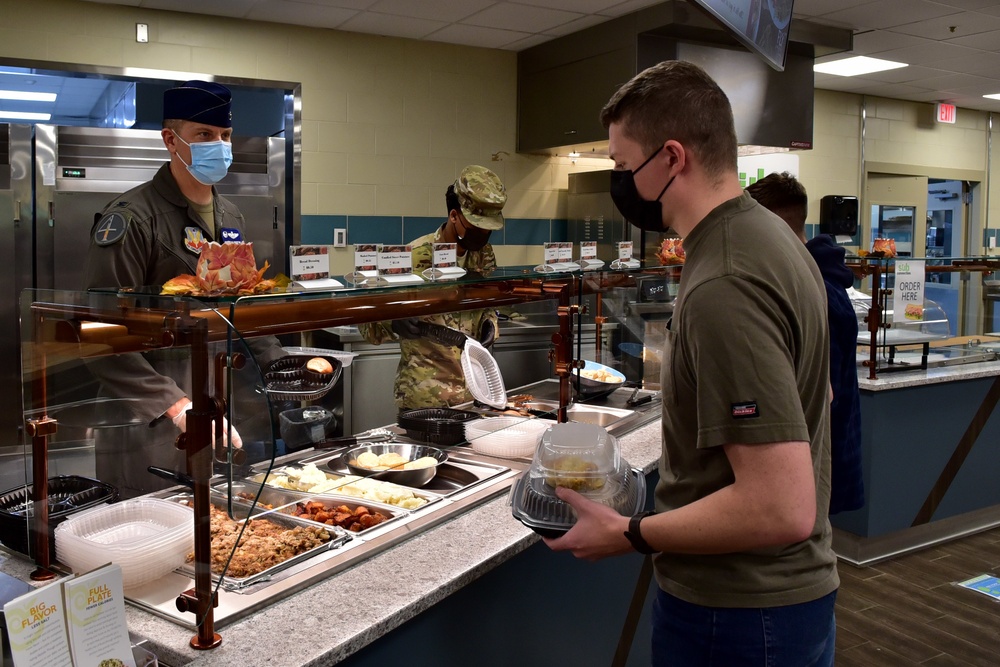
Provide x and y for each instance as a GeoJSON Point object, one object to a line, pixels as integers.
{"type": "Point", "coordinates": [110, 229]}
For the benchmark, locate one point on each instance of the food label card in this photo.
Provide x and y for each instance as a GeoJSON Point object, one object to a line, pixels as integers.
{"type": "Point", "coordinates": [394, 260]}
{"type": "Point", "coordinates": [309, 262]}
{"type": "Point", "coordinates": [36, 626]}
{"type": "Point", "coordinates": [588, 250]}
{"type": "Point", "coordinates": [95, 614]}
{"type": "Point", "coordinates": [624, 250]}
{"type": "Point", "coordinates": [365, 257]}
{"type": "Point", "coordinates": [445, 256]}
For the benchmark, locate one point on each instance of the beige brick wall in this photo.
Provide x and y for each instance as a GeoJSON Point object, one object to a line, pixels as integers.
{"type": "Point", "coordinates": [387, 123]}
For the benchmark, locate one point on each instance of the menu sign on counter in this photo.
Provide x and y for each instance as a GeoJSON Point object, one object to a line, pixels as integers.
{"type": "Point", "coordinates": [395, 265]}
{"type": "Point", "coordinates": [444, 262]}
{"type": "Point", "coordinates": [624, 260]}
{"type": "Point", "coordinates": [309, 266]}
{"type": "Point", "coordinates": [908, 292]}
{"type": "Point", "coordinates": [75, 622]}
{"type": "Point", "coordinates": [558, 256]}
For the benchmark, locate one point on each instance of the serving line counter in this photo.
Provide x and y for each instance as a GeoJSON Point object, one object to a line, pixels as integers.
{"type": "Point", "coordinates": [338, 615]}
{"type": "Point", "coordinates": [70, 333]}
{"type": "Point", "coordinates": [930, 449]}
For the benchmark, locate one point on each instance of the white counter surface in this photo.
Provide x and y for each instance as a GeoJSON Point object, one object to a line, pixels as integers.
{"type": "Point", "coordinates": [338, 616]}
{"type": "Point", "coordinates": [916, 378]}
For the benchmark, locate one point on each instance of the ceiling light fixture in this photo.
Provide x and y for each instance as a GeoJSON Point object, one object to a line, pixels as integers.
{"type": "Point", "coordinates": [856, 66]}
{"type": "Point", "coordinates": [994, 96]}
{"type": "Point", "coordinates": [574, 154]}
{"type": "Point", "coordinates": [25, 115]}
{"type": "Point", "coordinates": [29, 97]}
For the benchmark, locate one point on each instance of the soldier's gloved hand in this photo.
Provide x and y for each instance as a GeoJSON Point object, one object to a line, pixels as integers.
{"type": "Point", "coordinates": [406, 328]}
{"type": "Point", "coordinates": [180, 421]}
{"type": "Point", "coordinates": [488, 333]}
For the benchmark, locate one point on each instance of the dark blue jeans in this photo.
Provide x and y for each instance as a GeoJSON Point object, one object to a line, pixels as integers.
{"type": "Point", "coordinates": [689, 635]}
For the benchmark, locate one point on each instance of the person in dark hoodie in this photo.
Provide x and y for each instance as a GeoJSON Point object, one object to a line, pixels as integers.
{"type": "Point", "coordinates": [784, 196]}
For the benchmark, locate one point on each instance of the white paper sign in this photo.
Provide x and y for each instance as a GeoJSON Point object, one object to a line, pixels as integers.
{"type": "Point", "coordinates": [588, 250]}
{"type": "Point", "coordinates": [36, 626]}
{"type": "Point", "coordinates": [908, 292]}
{"type": "Point", "coordinates": [365, 257]}
{"type": "Point", "coordinates": [309, 262]}
{"type": "Point", "coordinates": [445, 255]}
{"type": "Point", "coordinates": [624, 250]}
{"type": "Point", "coordinates": [95, 613]}
{"type": "Point", "coordinates": [395, 260]}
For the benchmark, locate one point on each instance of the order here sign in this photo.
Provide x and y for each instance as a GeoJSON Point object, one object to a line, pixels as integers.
{"type": "Point", "coordinates": [908, 292]}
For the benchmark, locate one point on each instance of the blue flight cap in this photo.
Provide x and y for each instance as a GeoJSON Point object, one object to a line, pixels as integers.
{"type": "Point", "coordinates": [201, 102]}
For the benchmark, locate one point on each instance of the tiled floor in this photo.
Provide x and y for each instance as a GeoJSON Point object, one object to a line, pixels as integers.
{"type": "Point", "coordinates": [907, 611]}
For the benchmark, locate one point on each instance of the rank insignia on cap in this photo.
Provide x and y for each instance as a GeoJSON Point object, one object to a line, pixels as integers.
{"type": "Point", "coordinates": [194, 239]}
{"type": "Point", "coordinates": [230, 235]}
{"type": "Point", "coordinates": [746, 410]}
{"type": "Point", "coordinates": [110, 229]}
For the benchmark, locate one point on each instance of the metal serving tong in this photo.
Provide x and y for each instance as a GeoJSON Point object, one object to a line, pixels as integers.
{"type": "Point", "coordinates": [370, 436]}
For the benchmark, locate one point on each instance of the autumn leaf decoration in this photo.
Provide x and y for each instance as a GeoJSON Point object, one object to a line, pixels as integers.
{"type": "Point", "coordinates": [223, 269]}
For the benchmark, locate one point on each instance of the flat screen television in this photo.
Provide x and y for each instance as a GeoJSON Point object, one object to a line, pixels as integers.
{"type": "Point", "coordinates": [760, 25]}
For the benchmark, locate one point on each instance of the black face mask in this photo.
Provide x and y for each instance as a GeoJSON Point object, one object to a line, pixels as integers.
{"type": "Point", "coordinates": [473, 241]}
{"type": "Point", "coordinates": [644, 214]}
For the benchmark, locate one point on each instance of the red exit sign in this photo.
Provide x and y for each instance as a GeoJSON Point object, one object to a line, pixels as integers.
{"type": "Point", "coordinates": [944, 113]}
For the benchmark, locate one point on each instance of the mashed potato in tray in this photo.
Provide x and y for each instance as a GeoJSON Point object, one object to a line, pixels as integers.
{"type": "Point", "coordinates": [313, 480]}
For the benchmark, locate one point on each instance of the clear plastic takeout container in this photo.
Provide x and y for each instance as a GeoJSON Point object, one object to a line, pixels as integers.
{"type": "Point", "coordinates": [506, 437]}
{"type": "Point", "coordinates": [582, 457]}
{"type": "Point", "coordinates": [147, 537]}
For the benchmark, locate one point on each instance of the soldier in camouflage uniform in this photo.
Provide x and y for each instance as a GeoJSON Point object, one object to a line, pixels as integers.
{"type": "Point", "coordinates": [430, 374]}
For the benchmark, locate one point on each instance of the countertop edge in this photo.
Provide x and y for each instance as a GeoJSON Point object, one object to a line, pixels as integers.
{"type": "Point", "coordinates": [327, 622]}
{"type": "Point", "coordinates": [917, 378]}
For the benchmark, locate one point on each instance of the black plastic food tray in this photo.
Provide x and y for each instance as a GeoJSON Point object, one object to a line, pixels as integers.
{"type": "Point", "coordinates": [68, 494]}
{"type": "Point", "coordinates": [438, 426]}
{"type": "Point", "coordinates": [288, 379]}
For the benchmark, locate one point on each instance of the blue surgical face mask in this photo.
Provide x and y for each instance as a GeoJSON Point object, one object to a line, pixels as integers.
{"type": "Point", "coordinates": [210, 160]}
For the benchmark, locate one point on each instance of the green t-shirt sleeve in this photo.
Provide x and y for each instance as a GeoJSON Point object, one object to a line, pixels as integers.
{"type": "Point", "coordinates": [741, 347]}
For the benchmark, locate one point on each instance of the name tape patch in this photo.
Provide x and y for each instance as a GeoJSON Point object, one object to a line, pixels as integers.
{"type": "Point", "coordinates": [746, 410]}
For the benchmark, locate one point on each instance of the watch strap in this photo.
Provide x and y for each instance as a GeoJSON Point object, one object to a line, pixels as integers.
{"type": "Point", "coordinates": [634, 534]}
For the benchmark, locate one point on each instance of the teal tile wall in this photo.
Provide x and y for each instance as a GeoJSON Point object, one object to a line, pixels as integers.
{"type": "Point", "coordinates": [318, 229]}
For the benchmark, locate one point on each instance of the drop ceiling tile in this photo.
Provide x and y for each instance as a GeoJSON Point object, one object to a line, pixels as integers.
{"type": "Point", "coordinates": [576, 26]}
{"type": "Point", "coordinates": [986, 41]}
{"type": "Point", "coordinates": [952, 26]}
{"type": "Point", "coordinates": [875, 41]}
{"type": "Point", "coordinates": [394, 26]}
{"type": "Point", "coordinates": [927, 52]}
{"type": "Point", "coordinates": [906, 74]}
{"type": "Point", "coordinates": [585, 6]}
{"type": "Point", "coordinates": [210, 7]}
{"type": "Point", "coordinates": [981, 64]}
{"type": "Point", "coordinates": [300, 13]}
{"type": "Point", "coordinates": [889, 13]}
{"type": "Point", "coordinates": [448, 11]}
{"type": "Point", "coordinates": [956, 81]}
{"type": "Point", "coordinates": [626, 7]}
{"type": "Point", "coordinates": [969, 4]}
{"type": "Point", "coordinates": [527, 42]}
{"type": "Point", "coordinates": [471, 35]}
{"type": "Point", "coordinates": [815, 8]}
{"type": "Point", "coordinates": [510, 16]}
{"type": "Point", "coordinates": [343, 4]}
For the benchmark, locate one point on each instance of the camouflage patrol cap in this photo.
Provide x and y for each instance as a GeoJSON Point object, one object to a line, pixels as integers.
{"type": "Point", "coordinates": [481, 196]}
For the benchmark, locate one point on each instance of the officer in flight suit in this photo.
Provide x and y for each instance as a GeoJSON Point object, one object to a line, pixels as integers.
{"type": "Point", "coordinates": [147, 236]}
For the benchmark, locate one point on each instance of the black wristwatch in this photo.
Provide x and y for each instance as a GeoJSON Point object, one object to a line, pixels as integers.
{"type": "Point", "coordinates": [634, 536]}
